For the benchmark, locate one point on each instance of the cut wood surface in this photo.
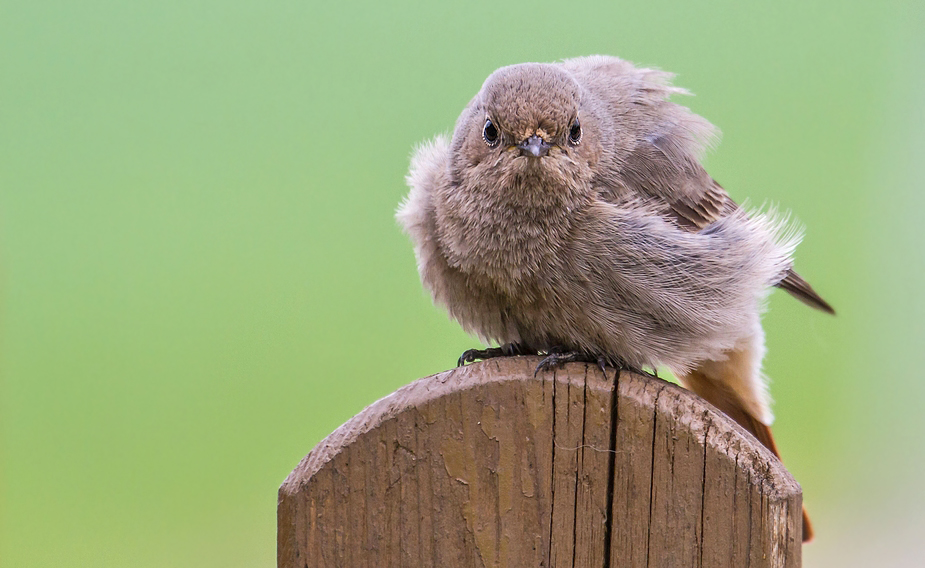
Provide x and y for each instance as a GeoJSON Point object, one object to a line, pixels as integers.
{"type": "Point", "coordinates": [487, 465]}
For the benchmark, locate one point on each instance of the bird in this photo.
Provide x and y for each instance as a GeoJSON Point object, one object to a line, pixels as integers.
{"type": "Point", "coordinates": [569, 216]}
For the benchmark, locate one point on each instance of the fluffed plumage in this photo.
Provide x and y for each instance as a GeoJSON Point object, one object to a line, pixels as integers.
{"type": "Point", "coordinates": [570, 211]}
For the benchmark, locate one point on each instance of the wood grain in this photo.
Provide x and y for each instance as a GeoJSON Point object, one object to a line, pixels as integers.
{"type": "Point", "coordinates": [489, 466]}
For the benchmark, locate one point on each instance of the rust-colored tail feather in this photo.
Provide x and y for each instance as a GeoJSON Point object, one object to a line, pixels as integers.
{"type": "Point", "coordinates": [728, 403]}
{"type": "Point", "coordinates": [763, 433]}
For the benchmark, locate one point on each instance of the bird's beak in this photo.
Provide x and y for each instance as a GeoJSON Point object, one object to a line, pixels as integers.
{"type": "Point", "coordinates": [534, 146]}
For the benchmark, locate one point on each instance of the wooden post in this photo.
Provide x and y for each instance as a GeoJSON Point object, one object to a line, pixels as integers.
{"type": "Point", "coordinates": [487, 465]}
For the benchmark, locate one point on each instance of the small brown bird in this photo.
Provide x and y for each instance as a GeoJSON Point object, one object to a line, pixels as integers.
{"type": "Point", "coordinates": [569, 216]}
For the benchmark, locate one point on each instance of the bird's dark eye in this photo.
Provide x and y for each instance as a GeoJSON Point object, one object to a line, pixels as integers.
{"type": "Point", "coordinates": [490, 133]}
{"type": "Point", "coordinates": [574, 133]}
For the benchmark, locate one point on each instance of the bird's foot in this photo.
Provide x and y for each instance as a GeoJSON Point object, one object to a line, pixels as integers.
{"type": "Point", "coordinates": [559, 356]}
{"type": "Point", "coordinates": [506, 350]}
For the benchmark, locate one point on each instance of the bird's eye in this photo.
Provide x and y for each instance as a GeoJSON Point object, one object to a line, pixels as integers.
{"type": "Point", "coordinates": [490, 133]}
{"type": "Point", "coordinates": [574, 133]}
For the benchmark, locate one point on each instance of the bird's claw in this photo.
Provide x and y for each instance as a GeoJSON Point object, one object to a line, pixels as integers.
{"type": "Point", "coordinates": [468, 356]}
{"type": "Point", "coordinates": [557, 356]}
{"type": "Point", "coordinates": [506, 350]}
{"type": "Point", "coordinates": [472, 355]}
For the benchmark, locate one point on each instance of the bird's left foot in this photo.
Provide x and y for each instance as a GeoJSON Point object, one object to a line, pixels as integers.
{"type": "Point", "coordinates": [559, 356]}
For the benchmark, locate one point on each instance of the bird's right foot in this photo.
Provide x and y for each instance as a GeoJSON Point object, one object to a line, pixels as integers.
{"type": "Point", "coordinates": [506, 350]}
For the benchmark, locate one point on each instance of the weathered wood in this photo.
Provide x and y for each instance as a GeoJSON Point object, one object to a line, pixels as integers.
{"type": "Point", "coordinates": [487, 466]}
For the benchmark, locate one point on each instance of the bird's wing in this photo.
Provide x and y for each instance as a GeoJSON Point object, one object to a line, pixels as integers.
{"type": "Point", "coordinates": [687, 195]}
{"type": "Point", "coordinates": [661, 165]}
{"type": "Point", "coordinates": [658, 172]}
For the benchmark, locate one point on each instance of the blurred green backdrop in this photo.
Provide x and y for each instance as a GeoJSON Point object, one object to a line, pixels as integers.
{"type": "Point", "coordinates": [202, 277]}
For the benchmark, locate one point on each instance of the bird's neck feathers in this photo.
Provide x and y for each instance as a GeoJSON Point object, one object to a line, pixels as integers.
{"type": "Point", "coordinates": [512, 231]}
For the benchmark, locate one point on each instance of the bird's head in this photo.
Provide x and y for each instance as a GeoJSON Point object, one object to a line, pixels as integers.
{"type": "Point", "coordinates": [527, 130]}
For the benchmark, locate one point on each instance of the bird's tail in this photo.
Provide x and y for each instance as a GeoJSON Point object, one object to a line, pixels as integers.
{"type": "Point", "coordinates": [712, 381]}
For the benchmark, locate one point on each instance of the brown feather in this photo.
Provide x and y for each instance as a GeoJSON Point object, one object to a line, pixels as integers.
{"type": "Point", "coordinates": [698, 207]}
{"type": "Point", "coordinates": [801, 290]}
{"type": "Point", "coordinates": [697, 211]}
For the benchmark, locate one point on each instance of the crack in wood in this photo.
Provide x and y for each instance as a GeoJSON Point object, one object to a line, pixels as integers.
{"type": "Point", "coordinates": [552, 476]}
{"type": "Point", "coordinates": [703, 487]}
{"type": "Point", "coordinates": [611, 467]}
{"type": "Point", "coordinates": [580, 460]}
{"type": "Point", "coordinates": [652, 480]}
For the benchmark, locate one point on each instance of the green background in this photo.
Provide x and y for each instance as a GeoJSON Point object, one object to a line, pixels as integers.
{"type": "Point", "coordinates": [202, 277]}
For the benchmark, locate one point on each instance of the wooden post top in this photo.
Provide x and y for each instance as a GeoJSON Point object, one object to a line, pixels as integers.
{"type": "Point", "coordinates": [487, 465]}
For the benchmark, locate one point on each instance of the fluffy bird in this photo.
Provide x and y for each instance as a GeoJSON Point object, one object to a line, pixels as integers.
{"type": "Point", "coordinates": [569, 216]}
